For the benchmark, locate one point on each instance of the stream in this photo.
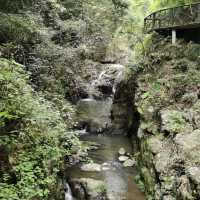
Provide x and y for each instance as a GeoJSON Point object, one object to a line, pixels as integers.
{"type": "Point", "coordinates": [119, 181]}
{"type": "Point", "coordinates": [105, 171]}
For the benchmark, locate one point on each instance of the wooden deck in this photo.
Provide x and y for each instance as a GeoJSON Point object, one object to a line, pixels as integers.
{"type": "Point", "coordinates": [176, 18]}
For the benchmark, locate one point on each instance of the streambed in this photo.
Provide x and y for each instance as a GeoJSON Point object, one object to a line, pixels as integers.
{"type": "Point", "coordinates": [119, 181]}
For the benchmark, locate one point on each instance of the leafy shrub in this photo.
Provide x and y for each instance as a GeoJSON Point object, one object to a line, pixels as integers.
{"type": "Point", "coordinates": [16, 28]}
{"type": "Point", "coordinates": [33, 134]}
{"type": "Point", "coordinates": [13, 5]}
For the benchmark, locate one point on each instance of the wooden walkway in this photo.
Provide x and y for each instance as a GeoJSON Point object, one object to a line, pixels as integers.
{"type": "Point", "coordinates": [176, 18]}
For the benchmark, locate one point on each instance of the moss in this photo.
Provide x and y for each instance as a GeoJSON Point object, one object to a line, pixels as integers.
{"type": "Point", "coordinates": [167, 99]}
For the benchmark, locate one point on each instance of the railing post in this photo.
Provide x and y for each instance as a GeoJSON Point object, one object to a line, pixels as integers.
{"type": "Point", "coordinates": [173, 36]}
{"type": "Point", "coordinates": [154, 20]}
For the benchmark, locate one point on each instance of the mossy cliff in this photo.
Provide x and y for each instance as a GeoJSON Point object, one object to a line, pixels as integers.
{"type": "Point", "coordinates": [167, 99]}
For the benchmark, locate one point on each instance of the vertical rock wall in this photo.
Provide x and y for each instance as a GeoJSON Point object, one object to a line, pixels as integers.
{"type": "Point", "coordinates": [167, 99]}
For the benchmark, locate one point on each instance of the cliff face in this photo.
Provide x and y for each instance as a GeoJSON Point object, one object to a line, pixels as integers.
{"type": "Point", "coordinates": [167, 99]}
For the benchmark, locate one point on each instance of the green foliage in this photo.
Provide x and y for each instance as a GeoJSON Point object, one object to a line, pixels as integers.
{"type": "Point", "coordinates": [16, 28]}
{"type": "Point", "coordinates": [159, 4]}
{"type": "Point", "coordinates": [175, 121]}
{"type": "Point", "coordinates": [35, 144]}
{"type": "Point", "coordinates": [13, 5]}
{"type": "Point", "coordinates": [138, 181]}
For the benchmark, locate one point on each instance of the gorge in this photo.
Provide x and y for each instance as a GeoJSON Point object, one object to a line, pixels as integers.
{"type": "Point", "coordinates": [93, 108]}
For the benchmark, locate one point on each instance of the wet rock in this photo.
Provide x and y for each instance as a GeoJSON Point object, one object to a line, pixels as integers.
{"type": "Point", "coordinates": [92, 167]}
{"type": "Point", "coordinates": [122, 151]}
{"type": "Point", "coordinates": [123, 158]}
{"type": "Point", "coordinates": [105, 168]}
{"type": "Point", "coordinates": [123, 114]}
{"type": "Point", "coordinates": [87, 188]}
{"type": "Point", "coordinates": [129, 163]}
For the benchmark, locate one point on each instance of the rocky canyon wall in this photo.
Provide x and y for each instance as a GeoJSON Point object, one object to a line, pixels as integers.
{"type": "Point", "coordinates": [167, 99]}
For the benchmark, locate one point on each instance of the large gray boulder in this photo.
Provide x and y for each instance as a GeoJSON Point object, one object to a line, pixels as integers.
{"type": "Point", "coordinates": [87, 188]}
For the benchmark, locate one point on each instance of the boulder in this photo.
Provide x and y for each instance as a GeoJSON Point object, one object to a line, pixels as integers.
{"type": "Point", "coordinates": [88, 188]}
{"type": "Point", "coordinates": [106, 166]}
{"type": "Point", "coordinates": [123, 158]}
{"type": "Point", "coordinates": [92, 167]}
{"type": "Point", "coordinates": [122, 151]}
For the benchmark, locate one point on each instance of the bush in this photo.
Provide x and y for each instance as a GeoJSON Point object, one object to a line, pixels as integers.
{"type": "Point", "coordinates": [16, 29]}
{"type": "Point", "coordinates": [33, 136]}
{"type": "Point", "coordinates": [13, 5]}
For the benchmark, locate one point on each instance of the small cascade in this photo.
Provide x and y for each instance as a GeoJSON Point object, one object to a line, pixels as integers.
{"type": "Point", "coordinates": [92, 88]}
{"type": "Point", "coordinates": [94, 113]}
{"type": "Point", "coordinates": [68, 191]}
{"type": "Point", "coordinates": [118, 79]}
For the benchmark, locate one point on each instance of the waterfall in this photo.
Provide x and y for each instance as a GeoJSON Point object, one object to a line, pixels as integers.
{"type": "Point", "coordinates": [68, 191]}
{"type": "Point", "coordinates": [93, 84]}
{"type": "Point", "coordinates": [94, 113]}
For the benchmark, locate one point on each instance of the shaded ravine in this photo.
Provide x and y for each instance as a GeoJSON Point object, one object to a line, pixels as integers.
{"type": "Point", "coordinates": [119, 181]}
{"type": "Point", "coordinates": [106, 116]}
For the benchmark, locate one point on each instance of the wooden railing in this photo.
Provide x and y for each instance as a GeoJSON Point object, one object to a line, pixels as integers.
{"type": "Point", "coordinates": [185, 16]}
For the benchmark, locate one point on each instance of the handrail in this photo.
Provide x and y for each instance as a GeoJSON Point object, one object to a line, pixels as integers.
{"type": "Point", "coordinates": [171, 17]}
{"type": "Point", "coordinates": [163, 9]}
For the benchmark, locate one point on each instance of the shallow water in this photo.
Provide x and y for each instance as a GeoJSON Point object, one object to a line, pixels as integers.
{"type": "Point", "coordinates": [119, 180]}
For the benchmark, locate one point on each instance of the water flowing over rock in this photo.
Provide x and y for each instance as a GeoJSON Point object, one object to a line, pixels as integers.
{"type": "Point", "coordinates": [113, 181]}
{"type": "Point", "coordinates": [68, 192]}
{"type": "Point", "coordinates": [95, 111]}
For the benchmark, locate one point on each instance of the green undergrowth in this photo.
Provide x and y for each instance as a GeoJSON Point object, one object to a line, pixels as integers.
{"type": "Point", "coordinates": [17, 28]}
{"type": "Point", "coordinates": [168, 72]}
{"type": "Point", "coordinates": [33, 137]}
